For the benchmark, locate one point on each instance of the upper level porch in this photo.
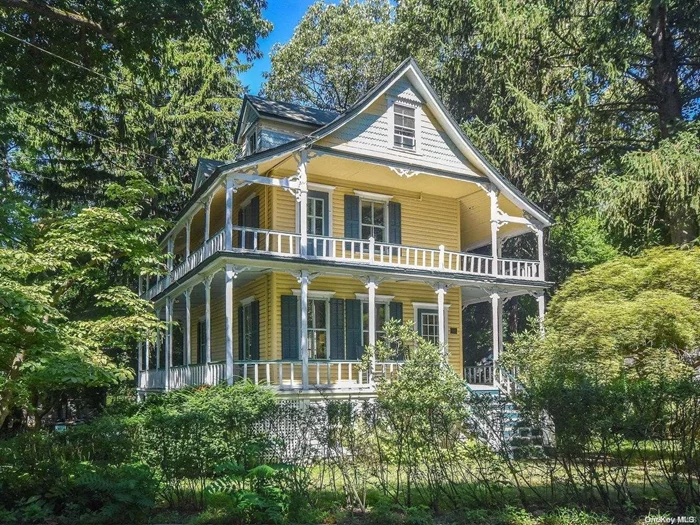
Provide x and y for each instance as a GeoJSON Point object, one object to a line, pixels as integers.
{"type": "Point", "coordinates": [354, 217]}
{"type": "Point", "coordinates": [365, 252]}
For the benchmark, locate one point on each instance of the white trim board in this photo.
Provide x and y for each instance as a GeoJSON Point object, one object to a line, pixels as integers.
{"type": "Point", "coordinates": [377, 298]}
{"type": "Point", "coordinates": [314, 294]}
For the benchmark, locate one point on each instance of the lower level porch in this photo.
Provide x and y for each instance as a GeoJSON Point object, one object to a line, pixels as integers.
{"type": "Point", "coordinates": [300, 330]}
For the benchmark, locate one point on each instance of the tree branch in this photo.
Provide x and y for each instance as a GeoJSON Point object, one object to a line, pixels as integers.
{"type": "Point", "coordinates": [55, 13]}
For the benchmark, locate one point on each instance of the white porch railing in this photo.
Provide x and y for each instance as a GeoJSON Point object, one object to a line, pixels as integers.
{"type": "Point", "coordinates": [497, 376]}
{"type": "Point", "coordinates": [479, 375]}
{"type": "Point", "coordinates": [284, 375]}
{"type": "Point", "coordinates": [182, 376]}
{"type": "Point", "coordinates": [288, 374]}
{"type": "Point", "coordinates": [358, 251]}
{"type": "Point", "coordinates": [200, 374]}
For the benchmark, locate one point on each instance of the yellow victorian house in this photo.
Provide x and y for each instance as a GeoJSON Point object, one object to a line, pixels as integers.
{"type": "Point", "coordinates": [287, 262]}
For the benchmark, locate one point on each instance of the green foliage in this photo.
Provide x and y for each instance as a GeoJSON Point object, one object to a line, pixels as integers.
{"type": "Point", "coordinates": [636, 316]}
{"type": "Point", "coordinates": [657, 194]}
{"type": "Point", "coordinates": [240, 496]}
{"type": "Point", "coordinates": [63, 306]}
{"type": "Point", "coordinates": [338, 52]}
{"type": "Point", "coordinates": [134, 34]}
{"type": "Point", "coordinates": [577, 244]}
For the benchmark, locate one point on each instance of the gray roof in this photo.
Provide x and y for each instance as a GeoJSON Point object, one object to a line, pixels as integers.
{"type": "Point", "coordinates": [291, 111]}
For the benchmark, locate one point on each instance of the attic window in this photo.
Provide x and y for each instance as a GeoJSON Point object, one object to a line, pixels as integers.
{"type": "Point", "coordinates": [404, 127]}
{"type": "Point", "coordinates": [251, 142]}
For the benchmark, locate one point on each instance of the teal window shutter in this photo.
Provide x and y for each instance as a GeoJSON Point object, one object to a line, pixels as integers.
{"type": "Point", "coordinates": [255, 332]}
{"type": "Point", "coordinates": [241, 356]}
{"type": "Point", "coordinates": [290, 328]}
{"type": "Point", "coordinates": [337, 338]}
{"type": "Point", "coordinates": [394, 223]}
{"type": "Point", "coordinates": [396, 311]}
{"type": "Point", "coordinates": [352, 217]}
{"type": "Point", "coordinates": [353, 321]}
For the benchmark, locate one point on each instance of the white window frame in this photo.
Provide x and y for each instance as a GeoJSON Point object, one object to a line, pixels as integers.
{"type": "Point", "coordinates": [309, 199]}
{"type": "Point", "coordinates": [379, 300]}
{"type": "Point", "coordinates": [318, 295]}
{"type": "Point", "coordinates": [385, 210]}
{"type": "Point", "coordinates": [432, 307]}
{"type": "Point", "coordinates": [252, 134]}
{"type": "Point", "coordinates": [247, 338]}
{"type": "Point", "coordinates": [417, 107]}
{"type": "Point", "coordinates": [323, 188]}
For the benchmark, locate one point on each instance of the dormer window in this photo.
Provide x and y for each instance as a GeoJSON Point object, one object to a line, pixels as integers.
{"type": "Point", "coordinates": [252, 142]}
{"type": "Point", "coordinates": [404, 127]}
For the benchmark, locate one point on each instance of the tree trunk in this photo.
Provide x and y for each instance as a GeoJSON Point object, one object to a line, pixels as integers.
{"type": "Point", "coordinates": [665, 70]}
{"type": "Point", "coordinates": [682, 225]}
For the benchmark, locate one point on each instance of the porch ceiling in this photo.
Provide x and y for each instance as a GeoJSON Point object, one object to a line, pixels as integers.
{"type": "Point", "coordinates": [364, 172]}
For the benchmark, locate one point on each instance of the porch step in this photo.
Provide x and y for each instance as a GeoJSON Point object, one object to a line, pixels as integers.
{"type": "Point", "coordinates": [500, 423]}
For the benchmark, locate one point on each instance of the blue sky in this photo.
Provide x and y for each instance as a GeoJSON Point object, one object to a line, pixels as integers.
{"type": "Point", "coordinates": [284, 15]}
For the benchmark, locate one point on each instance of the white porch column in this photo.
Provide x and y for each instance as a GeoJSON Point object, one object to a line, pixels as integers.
{"type": "Point", "coordinates": [540, 309]}
{"type": "Point", "coordinates": [158, 339]}
{"type": "Point", "coordinates": [168, 340]}
{"type": "Point", "coordinates": [148, 354]}
{"type": "Point", "coordinates": [188, 327]}
{"type": "Point", "coordinates": [372, 310]}
{"type": "Point", "coordinates": [188, 232]}
{"type": "Point", "coordinates": [228, 323]}
{"type": "Point", "coordinates": [540, 251]}
{"type": "Point", "coordinates": [207, 217]}
{"type": "Point", "coordinates": [497, 323]}
{"type": "Point", "coordinates": [303, 203]}
{"type": "Point", "coordinates": [207, 318]}
{"type": "Point", "coordinates": [228, 229]}
{"type": "Point", "coordinates": [495, 225]}
{"type": "Point", "coordinates": [440, 290]}
{"type": "Point", "coordinates": [171, 253]}
{"type": "Point", "coordinates": [303, 336]}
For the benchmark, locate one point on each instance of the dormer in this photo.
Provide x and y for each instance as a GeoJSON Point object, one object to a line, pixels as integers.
{"type": "Point", "coordinates": [265, 124]}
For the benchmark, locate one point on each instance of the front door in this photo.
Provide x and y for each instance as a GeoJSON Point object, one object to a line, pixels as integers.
{"type": "Point", "coordinates": [317, 220]}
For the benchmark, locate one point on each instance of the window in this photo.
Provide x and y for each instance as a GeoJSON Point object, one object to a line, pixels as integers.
{"type": "Point", "coordinates": [316, 215]}
{"type": "Point", "coordinates": [404, 127]}
{"type": "Point", "coordinates": [247, 336]}
{"type": "Point", "coordinates": [202, 341]}
{"type": "Point", "coordinates": [252, 142]}
{"type": "Point", "coordinates": [381, 316]}
{"type": "Point", "coordinates": [429, 326]}
{"type": "Point", "coordinates": [317, 335]}
{"type": "Point", "coordinates": [373, 220]}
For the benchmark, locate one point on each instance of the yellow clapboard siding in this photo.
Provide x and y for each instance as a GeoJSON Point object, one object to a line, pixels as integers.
{"type": "Point", "coordinates": [257, 289]}
{"type": "Point", "coordinates": [347, 287]}
{"type": "Point", "coordinates": [426, 220]}
{"type": "Point", "coordinates": [260, 290]}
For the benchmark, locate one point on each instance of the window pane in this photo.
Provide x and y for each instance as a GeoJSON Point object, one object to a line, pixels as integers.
{"type": "Point", "coordinates": [379, 234]}
{"type": "Point", "coordinates": [319, 227]}
{"type": "Point", "coordinates": [366, 232]}
{"type": "Point", "coordinates": [367, 212]}
{"type": "Point", "coordinates": [320, 307]}
{"type": "Point", "coordinates": [379, 214]}
{"type": "Point", "coordinates": [319, 207]}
